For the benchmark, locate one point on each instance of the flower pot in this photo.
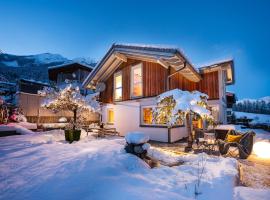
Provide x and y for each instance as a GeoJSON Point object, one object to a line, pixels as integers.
{"type": "Point", "coordinates": [72, 135]}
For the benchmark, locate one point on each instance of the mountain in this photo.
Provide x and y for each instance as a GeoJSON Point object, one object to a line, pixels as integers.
{"type": "Point", "coordinates": [13, 67]}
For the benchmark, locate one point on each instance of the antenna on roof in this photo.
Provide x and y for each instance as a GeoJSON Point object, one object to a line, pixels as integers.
{"type": "Point", "coordinates": [100, 87]}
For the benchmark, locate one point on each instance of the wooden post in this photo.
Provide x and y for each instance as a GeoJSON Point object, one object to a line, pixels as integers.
{"type": "Point", "coordinates": [189, 130]}
{"type": "Point", "coordinates": [74, 118]}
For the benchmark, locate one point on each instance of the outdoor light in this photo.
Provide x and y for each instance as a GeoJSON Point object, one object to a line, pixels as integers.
{"type": "Point", "coordinates": [262, 149]}
{"type": "Point", "coordinates": [209, 138]}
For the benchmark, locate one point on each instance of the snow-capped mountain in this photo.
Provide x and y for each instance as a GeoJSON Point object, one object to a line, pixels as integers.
{"type": "Point", "coordinates": [83, 60]}
{"type": "Point", "coordinates": [13, 67]}
{"type": "Point", "coordinates": [9, 60]}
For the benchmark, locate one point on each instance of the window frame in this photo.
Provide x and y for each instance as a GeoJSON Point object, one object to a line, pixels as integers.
{"type": "Point", "coordinates": [138, 65]}
{"type": "Point", "coordinates": [108, 121]}
{"type": "Point", "coordinates": [114, 85]}
{"type": "Point", "coordinates": [142, 124]}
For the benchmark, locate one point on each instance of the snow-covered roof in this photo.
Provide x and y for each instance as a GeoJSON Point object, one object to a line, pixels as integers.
{"type": "Point", "coordinates": [34, 81]}
{"type": "Point", "coordinates": [227, 64]}
{"type": "Point", "coordinates": [165, 56]}
{"type": "Point", "coordinates": [215, 63]}
{"type": "Point", "coordinates": [7, 83]}
{"type": "Point", "coordinates": [67, 64]}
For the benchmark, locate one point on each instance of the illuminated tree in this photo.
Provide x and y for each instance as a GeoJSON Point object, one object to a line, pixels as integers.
{"type": "Point", "coordinates": [69, 98]}
{"type": "Point", "coordinates": [177, 106]}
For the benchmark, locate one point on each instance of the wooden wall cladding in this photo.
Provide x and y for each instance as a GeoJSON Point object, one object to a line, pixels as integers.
{"type": "Point", "coordinates": [107, 95]}
{"type": "Point", "coordinates": [209, 84]}
{"type": "Point", "coordinates": [155, 80]}
{"type": "Point", "coordinates": [179, 81]}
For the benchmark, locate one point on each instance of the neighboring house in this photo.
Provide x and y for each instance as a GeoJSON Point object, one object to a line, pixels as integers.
{"type": "Point", "coordinates": [29, 100]}
{"type": "Point", "coordinates": [70, 71]}
{"type": "Point", "coordinates": [134, 75]}
{"type": "Point", "coordinates": [230, 99]}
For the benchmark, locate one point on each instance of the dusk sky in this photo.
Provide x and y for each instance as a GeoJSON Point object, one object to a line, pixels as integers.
{"type": "Point", "coordinates": [206, 31]}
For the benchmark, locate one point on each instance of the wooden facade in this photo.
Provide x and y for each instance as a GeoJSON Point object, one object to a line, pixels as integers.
{"type": "Point", "coordinates": [155, 81]}
{"type": "Point", "coordinates": [209, 85]}
{"type": "Point", "coordinates": [67, 71]}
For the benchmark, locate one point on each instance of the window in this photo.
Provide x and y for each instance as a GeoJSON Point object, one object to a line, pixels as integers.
{"type": "Point", "coordinates": [110, 116]}
{"type": "Point", "coordinates": [147, 115]}
{"type": "Point", "coordinates": [118, 86]}
{"type": "Point", "coordinates": [148, 119]}
{"type": "Point", "coordinates": [136, 81]}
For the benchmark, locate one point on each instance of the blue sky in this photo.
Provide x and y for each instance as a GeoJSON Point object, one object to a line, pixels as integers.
{"type": "Point", "coordinates": [206, 31]}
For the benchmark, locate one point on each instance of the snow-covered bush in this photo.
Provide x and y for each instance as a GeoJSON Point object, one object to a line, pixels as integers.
{"type": "Point", "coordinates": [175, 106]}
{"type": "Point", "coordinates": [62, 119]}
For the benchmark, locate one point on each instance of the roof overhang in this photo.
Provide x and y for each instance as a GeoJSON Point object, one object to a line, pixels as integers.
{"type": "Point", "coordinates": [117, 54]}
{"type": "Point", "coordinates": [227, 65]}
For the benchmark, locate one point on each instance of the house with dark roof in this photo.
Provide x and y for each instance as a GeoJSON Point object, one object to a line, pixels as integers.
{"type": "Point", "coordinates": [29, 100]}
{"type": "Point", "coordinates": [71, 71]}
{"type": "Point", "coordinates": [133, 75]}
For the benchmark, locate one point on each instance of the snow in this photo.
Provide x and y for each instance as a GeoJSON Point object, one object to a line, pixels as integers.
{"type": "Point", "coordinates": [35, 81]}
{"type": "Point", "coordinates": [15, 127]}
{"type": "Point", "coordinates": [257, 118]}
{"type": "Point", "coordinates": [54, 125]}
{"type": "Point", "coordinates": [47, 58]}
{"type": "Point", "coordinates": [137, 138]}
{"type": "Point", "coordinates": [28, 125]}
{"type": "Point", "coordinates": [44, 166]}
{"type": "Point", "coordinates": [62, 119]}
{"type": "Point", "coordinates": [247, 193]}
{"type": "Point", "coordinates": [66, 64]}
{"type": "Point", "coordinates": [12, 63]}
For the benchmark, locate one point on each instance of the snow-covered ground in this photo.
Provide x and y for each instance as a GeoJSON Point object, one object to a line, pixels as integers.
{"type": "Point", "coordinates": [44, 166]}
{"type": "Point", "coordinates": [257, 118]}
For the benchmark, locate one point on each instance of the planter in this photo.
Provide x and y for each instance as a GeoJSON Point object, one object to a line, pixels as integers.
{"type": "Point", "coordinates": [72, 135]}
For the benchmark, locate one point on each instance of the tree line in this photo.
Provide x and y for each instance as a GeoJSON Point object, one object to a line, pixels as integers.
{"type": "Point", "coordinates": [258, 106]}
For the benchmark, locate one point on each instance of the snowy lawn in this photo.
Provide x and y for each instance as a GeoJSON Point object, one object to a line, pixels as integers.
{"type": "Point", "coordinates": [44, 166]}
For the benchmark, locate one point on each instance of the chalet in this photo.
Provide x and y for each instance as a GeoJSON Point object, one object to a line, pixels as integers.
{"type": "Point", "coordinates": [134, 75]}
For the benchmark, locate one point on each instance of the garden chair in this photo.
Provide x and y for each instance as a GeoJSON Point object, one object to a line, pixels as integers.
{"type": "Point", "coordinates": [242, 142]}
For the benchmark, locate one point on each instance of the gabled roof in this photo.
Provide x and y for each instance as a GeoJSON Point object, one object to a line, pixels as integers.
{"type": "Point", "coordinates": [119, 53]}
{"type": "Point", "coordinates": [68, 64]}
{"type": "Point", "coordinates": [227, 65]}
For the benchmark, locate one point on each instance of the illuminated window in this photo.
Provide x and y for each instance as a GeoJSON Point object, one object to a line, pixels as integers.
{"type": "Point", "coordinates": [148, 119]}
{"type": "Point", "coordinates": [136, 81]}
{"type": "Point", "coordinates": [110, 116]}
{"type": "Point", "coordinates": [118, 86]}
{"type": "Point", "coordinates": [147, 115]}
